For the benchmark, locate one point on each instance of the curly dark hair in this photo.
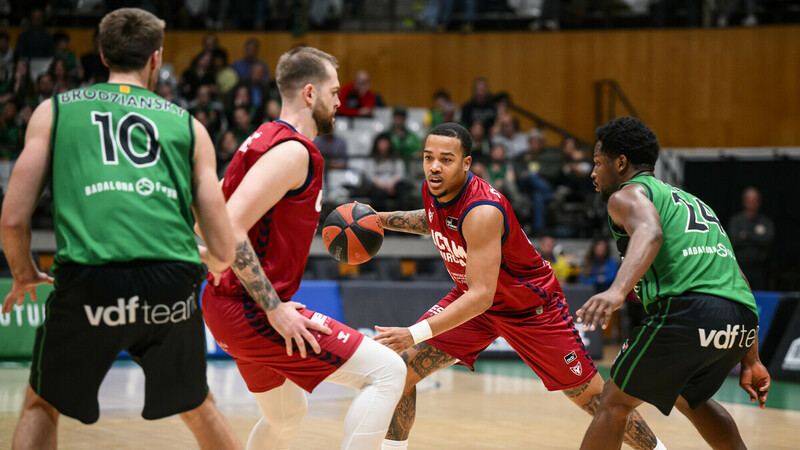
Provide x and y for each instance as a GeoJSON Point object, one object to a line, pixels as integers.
{"type": "Point", "coordinates": [454, 130]}
{"type": "Point", "coordinates": [629, 136]}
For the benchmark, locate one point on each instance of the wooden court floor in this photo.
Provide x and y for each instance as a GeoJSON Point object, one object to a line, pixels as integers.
{"type": "Point", "coordinates": [501, 406]}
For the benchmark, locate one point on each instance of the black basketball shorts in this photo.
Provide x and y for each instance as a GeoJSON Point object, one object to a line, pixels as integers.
{"type": "Point", "coordinates": [147, 308]}
{"type": "Point", "coordinates": [686, 347]}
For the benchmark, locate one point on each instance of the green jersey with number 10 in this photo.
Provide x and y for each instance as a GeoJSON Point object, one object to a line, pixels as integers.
{"type": "Point", "coordinates": [696, 254]}
{"type": "Point", "coordinates": [122, 176]}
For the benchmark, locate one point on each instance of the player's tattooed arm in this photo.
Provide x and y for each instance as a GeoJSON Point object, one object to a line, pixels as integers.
{"type": "Point", "coordinates": [405, 221]}
{"type": "Point", "coordinates": [249, 271]}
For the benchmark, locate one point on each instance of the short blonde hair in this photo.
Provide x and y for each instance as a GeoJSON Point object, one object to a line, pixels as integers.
{"type": "Point", "coordinates": [300, 66]}
{"type": "Point", "coordinates": [128, 36]}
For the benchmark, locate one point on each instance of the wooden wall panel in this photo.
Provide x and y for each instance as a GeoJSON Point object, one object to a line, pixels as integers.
{"type": "Point", "coordinates": [696, 87]}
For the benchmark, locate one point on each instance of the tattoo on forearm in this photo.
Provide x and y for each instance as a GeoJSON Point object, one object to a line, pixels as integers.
{"type": "Point", "coordinates": [429, 359]}
{"type": "Point", "coordinates": [403, 418]}
{"type": "Point", "coordinates": [407, 221]}
{"type": "Point", "coordinates": [251, 274]}
{"type": "Point", "coordinates": [637, 434]}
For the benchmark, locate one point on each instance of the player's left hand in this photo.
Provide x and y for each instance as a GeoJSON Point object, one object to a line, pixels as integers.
{"type": "Point", "coordinates": [398, 339]}
{"type": "Point", "coordinates": [598, 309]}
{"type": "Point", "coordinates": [754, 379]}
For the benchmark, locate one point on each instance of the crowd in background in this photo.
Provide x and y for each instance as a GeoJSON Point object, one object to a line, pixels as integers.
{"type": "Point", "coordinates": [549, 186]}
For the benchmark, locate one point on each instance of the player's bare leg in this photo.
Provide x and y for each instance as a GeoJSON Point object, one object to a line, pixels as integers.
{"type": "Point", "coordinates": [210, 428]}
{"type": "Point", "coordinates": [714, 423]}
{"type": "Point", "coordinates": [611, 418]}
{"type": "Point", "coordinates": [422, 360]}
{"type": "Point", "coordinates": [38, 424]}
{"type": "Point", "coordinates": [637, 434]}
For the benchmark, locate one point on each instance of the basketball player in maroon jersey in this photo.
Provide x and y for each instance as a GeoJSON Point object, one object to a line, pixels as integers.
{"type": "Point", "coordinates": [273, 188]}
{"type": "Point", "coordinates": [503, 288]}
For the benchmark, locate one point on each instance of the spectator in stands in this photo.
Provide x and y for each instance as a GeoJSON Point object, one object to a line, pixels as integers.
{"type": "Point", "coordinates": [44, 89]}
{"type": "Point", "coordinates": [545, 161]}
{"type": "Point", "coordinates": [201, 73]}
{"type": "Point", "coordinates": [225, 76]}
{"type": "Point", "coordinates": [357, 98]}
{"type": "Point", "coordinates": [480, 106]}
{"type": "Point", "coordinates": [60, 73]}
{"type": "Point", "coordinates": [20, 88]}
{"type": "Point", "coordinates": [508, 135]}
{"type": "Point", "coordinates": [228, 144]}
{"type": "Point", "coordinates": [35, 41]}
{"type": "Point", "coordinates": [165, 91]}
{"type": "Point", "coordinates": [500, 174]}
{"type": "Point", "coordinates": [532, 184]}
{"type": "Point", "coordinates": [561, 264]}
{"type": "Point", "coordinates": [6, 55]}
{"type": "Point", "coordinates": [239, 97]}
{"type": "Point", "coordinates": [599, 268]}
{"type": "Point", "coordinates": [211, 44]}
{"type": "Point", "coordinates": [94, 71]}
{"type": "Point", "coordinates": [213, 110]}
{"type": "Point", "coordinates": [385, 174]}
{"type": "Point", "coordinates": [61, 51]}
{"type": "Point", "coordinates": [242, 123]}
{"type": "Point", "coordinates": [333, 149]}
{"type": "Point", "coordinates": [244, 66]}
{"type": "Point", "coordinates": [272, 110]}
{"type": "Point", "coordinates": [730, 8]}
{"type": "Point", "coordinates": [10, 133]}
{"type": "Point", "coordinates": [751, 234]}
{"type": "Point", "coordinates": [258, 83]}
{"type": "Point", "coordinates": [437, 13]}
{"type": "Point", "coordinates": [438, 113]}
{"type": "Point", "coordinates": [576, 171]}
{"type": "Point", "coordinates": [480, 142]}
{"type": "Point", "coordinates": [405, 143]}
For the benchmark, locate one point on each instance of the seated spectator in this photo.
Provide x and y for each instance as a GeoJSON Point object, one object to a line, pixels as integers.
{"type": "Point", "coordinates": [405, 143]}
{"type": "Point", "coordinates": [272, 111]}
{"type": "Point", "coordinates": [480, 142]}
{"type": "Point", "coordinates": [545, 161]}
{"type": "Point", "coordinates": [224, 75]}
{"type": "Point", "coordinates": [61, 79]}
{"type": "Point", "coordinates": [228, 144]}
{"type": "Point", "coordinates": [357, 99]}
{"type": "Point", "coordinates": [501, 176]}
{"type": "Point", "coordinates": [563, 265]}
{"type": "Point", "coordinates": [212, 109]}
{"type": "Point", "coordinates": [239, 97]}
{"type": "Point", "coordinates": [258, 84]}
{"type": "Point", "coordinates": [165, 91]}
{"type": "Point", "coordinates": [532, 184]}
{"type": "Point", "coordinates": [442, 111]}
{"type": "Point", "coordinates": [62, 52]}
{"type": "Point", "coordinates": [6, 53]}
{"type": "Point", "coordinates": [576, 171]}
{"type": "Point", "coordinates": [507, 134]}
{"type": "Point", "coordinates": [211, 44]}
{"type": "Point", "coordinates": [385, 175]}
{"type": "Point", "coordinates": [244, 66]}
{"type": "Point", "coordinates": [20, 87]}
{"type": "Point", "coordinates": [199, 74]}
{"type": "Point", "coordinates": [242, 124]}
{"type": "Point", "coordinates": [35, 41]}
{"type": "Point", "coordinates": [334, 149]}
{"type": "Point", "coordinates": [94, 71]}
{"type": "Point", "coordinates": [44, 89]}
{"type": "Point", "coordinates": [599, 268]}
{"type": "Point", "coordinates": [480, 106]}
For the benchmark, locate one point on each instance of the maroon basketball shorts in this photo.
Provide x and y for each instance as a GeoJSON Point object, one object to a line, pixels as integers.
{"type": "Point", "coordinates": [241, 328]}
{"type": "Point", "coordinates": [545, 338]}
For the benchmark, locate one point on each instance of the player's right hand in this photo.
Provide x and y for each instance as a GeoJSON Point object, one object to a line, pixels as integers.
{"type": "Point", "coordinates": [598, 309]}
{"type": "Point", "coordinates": [295, 328]}
{"type": "Point", "coordinates": [754, 379]}
{"type": "Point", "coordinates": [21, 285]}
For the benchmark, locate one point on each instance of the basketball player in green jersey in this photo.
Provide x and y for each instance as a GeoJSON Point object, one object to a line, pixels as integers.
{"type": "Point", "coordinates": [702, 318]}
{"type": "Point", "coordinates": [128, 170]}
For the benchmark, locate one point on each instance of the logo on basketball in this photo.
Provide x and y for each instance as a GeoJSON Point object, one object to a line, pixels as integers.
{"type": "Point", "coordinates": [145, 187]}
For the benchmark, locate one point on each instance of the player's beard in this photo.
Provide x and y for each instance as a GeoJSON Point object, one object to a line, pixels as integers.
{"type": "Point", "coordinates": [323, 120]}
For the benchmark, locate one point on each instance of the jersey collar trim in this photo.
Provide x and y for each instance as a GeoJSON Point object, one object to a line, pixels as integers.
{"type": "Point", "coordinates": [285, 123]}
{"type": "Point", "coordinates": [456, 198]}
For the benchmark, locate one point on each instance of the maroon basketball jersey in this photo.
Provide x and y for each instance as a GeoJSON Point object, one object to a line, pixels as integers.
{"type": "Point", "coordinates": [282, 237]}
{"type": "Point", "coordinates": [525, 280]}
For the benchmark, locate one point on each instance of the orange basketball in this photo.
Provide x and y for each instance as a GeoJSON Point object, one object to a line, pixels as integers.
{"type": "Point", "coordinates": [352, 233]}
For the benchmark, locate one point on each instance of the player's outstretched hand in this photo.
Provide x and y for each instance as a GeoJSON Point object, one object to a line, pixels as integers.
{"type": "Point", "coordinates": [21, 285]}
{"type": "Point", "coordinates": [213, 268]}
{"type": "Point", "coordinates": [398, 339]}
{"type": "Point", "coordinates": [754, 379]}
{"type": "Point", "coordinates": [295, 328]}
{"type": "Point", "coordinates": [598, 309]}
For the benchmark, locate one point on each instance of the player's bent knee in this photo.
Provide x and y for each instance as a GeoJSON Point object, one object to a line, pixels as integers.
{"type": "Point", "coordinates": [34, 402]}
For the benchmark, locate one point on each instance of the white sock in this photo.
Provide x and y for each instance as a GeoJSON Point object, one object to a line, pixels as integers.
{"type": "Point", "coordinates": [394, 445]}
{"type": "Point", "coordinates": [659, 445]}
